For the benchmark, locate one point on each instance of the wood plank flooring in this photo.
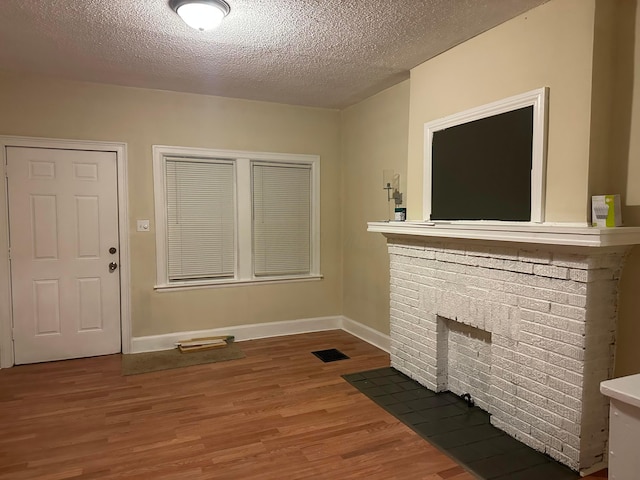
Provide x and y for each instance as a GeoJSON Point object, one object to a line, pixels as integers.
{"type": "Point", "coordinates": [279, 413]}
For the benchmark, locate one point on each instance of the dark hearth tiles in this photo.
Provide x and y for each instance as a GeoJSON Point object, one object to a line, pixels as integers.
{"type": "Point", "coordinates": [436, 426]}
{"type": "Point", "coordinates": [405, 396]}
{"type": "Point", "coordinates": [475, 416]}
{"type": "Point", "coordinates": [424, 392]}
{"type": "Point", "coordinates": [382, 372]}
{"type": "Point", "coordinates": [481, 450]}
{"type": "Point", "coordinates": [398, 408]}
{"type": "Point", "coordinates": [508, 464]}
{"type": "Point", "coordinates": [444, 411]}
{"type": "Point", "coordinates": [550, 470]}
{"type": "Point", "coordinates": [463, 432]}
{"type": "Point", "coordinates": [438, 400]}
{"type": "Point", "coordinates": [392, 388]}
{"type": "Point", "coordinates": [376, 392]}
{"type": "Point", "coordinates": [475, 451]}
{"type": "Point", "coordinates": [386, 400]}
{"type": "Point", "coordinates": [356, 377]}
{"type": "Point", "coordinates": [380, 381]}
{"type": "Point", "coordinates": [464, 436]}
{"type": "Point", "coordinates": [412, 418]}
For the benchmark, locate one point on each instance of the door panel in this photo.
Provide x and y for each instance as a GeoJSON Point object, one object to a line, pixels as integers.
{"type": "Point", "coordinates": [46, 299]}
{"type": "Point", "coordinates": [63, 218]}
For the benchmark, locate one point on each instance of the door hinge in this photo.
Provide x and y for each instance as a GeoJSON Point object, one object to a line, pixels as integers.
{"type": "Point", "coordinates": [9, 253]}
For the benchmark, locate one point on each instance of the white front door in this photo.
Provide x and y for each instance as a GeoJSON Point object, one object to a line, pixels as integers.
{"type": "Point", "coordinates": [64, 253]}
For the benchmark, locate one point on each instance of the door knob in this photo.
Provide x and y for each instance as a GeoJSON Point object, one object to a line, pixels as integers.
{"type": "Point", "coordinates": [113, 266]}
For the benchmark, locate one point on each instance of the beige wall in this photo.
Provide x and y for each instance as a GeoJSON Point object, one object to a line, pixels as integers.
{"type": "Point", "coordinates": [374, 138]}
{"type": "Point", "coordinates": [548, 46]}
{"type": "Point", "coordinates": [629, 107]}
{"type": "Point", "coordinates": [587, 52]}
{"type": "Point", "coordinates": [41, 107]}
{"type": "Point", "coordinates": [602, 98]}
{"type": "Point", "coordinates": [625, 148]}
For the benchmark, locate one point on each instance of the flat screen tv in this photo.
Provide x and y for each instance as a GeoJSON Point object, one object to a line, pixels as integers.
{"type": "Point", "coordinates": [488, 163]}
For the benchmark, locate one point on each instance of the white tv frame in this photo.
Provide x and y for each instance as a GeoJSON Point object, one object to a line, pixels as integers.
{"type": "Point", "coordinates": [538, 99]}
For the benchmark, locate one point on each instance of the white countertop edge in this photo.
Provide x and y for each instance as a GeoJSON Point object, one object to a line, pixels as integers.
{"type": "Point", "coordinates": [625, 389]}
{"type": "Point", "coordinates": [528, 233]}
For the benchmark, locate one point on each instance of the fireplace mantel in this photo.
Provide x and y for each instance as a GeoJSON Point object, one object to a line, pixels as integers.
{"type": "Point", "coordinates": [522, 317]}
{"type": "Point", "coordinates": [543, 234]}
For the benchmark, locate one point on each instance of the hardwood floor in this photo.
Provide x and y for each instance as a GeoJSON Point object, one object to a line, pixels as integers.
{"type": "Point", "coordinates": [279, 413]}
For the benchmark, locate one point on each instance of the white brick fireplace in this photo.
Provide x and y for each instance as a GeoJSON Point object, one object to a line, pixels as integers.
{"type": "Point", "coordinates": [521, 318]}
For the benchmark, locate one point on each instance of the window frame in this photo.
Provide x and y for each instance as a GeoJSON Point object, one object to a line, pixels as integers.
{"type": "Point", "coordinates": [242, 161]}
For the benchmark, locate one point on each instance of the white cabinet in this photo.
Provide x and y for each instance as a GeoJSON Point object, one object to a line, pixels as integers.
{"type": "Point", "coordinates": [624, 427]}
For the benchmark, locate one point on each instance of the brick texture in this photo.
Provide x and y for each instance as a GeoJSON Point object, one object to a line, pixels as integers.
{"type": "Point", "coordinates": [528, 332]}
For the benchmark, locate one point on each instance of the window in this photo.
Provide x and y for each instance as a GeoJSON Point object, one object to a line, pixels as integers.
{"type": "Point", "coordinates": [235, 217]}
{"type": "Point", "coordinates": [200, 219]}
{"type": "Point", "coordinates": [281, 220]}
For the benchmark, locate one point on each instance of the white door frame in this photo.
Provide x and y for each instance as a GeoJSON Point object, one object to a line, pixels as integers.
{"type": "Point", "coordinates": [6, 319]}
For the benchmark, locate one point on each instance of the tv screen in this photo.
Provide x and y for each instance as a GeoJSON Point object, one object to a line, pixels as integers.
{"type": "Point", "coordinates": [488, 163]}
{"type": "Point", "coordinates": [481, 170]}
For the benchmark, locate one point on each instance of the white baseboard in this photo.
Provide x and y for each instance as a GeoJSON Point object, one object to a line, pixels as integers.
{"type": "Point", "coordinates": [366, 333]}
{"type": "Point", "coordinates": [264, 330]}
{"type": "Point", "coordinates": [241, 332]}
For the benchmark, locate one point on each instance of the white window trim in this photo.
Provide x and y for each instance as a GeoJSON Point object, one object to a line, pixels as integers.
{"type": "Point", "coordinates": [244, 266]}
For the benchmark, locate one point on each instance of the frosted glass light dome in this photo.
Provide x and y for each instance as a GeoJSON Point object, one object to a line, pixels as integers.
{"type": "Point", "coordinates": [201, 14]}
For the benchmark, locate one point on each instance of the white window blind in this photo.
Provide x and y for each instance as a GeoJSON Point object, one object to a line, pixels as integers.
{"type": "Point", "coordinates": [281, 197]}
{"type": "Point", "coordinates": [200, 219]}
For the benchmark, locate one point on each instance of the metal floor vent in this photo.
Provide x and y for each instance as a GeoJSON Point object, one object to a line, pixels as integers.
{"type": "Point", "coordinates": [330, 355]}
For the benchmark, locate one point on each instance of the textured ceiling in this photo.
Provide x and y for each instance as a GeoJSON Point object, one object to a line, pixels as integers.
{"type": "Point", "coordinates": [326, 53]}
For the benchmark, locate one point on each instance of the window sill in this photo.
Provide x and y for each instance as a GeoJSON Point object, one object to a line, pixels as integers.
{"type": "Point", "coordinates": [177, 286]}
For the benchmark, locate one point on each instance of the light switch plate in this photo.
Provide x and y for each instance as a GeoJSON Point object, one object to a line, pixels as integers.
{"type": "Point", "coordinates": [143, 225]}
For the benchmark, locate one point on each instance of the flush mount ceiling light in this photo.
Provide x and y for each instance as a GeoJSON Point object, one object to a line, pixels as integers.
{"type": "Point", "coordinates": [201, 14]}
